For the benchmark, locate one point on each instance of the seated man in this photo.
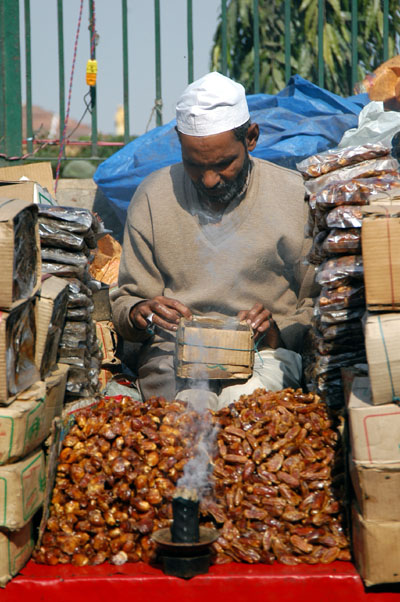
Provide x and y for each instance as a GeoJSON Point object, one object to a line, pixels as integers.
{"type": "Point", "coordinates": [220, 232]}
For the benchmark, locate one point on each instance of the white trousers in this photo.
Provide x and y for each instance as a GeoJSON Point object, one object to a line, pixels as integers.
{"type": "Point", "coordinates": [274, 369]}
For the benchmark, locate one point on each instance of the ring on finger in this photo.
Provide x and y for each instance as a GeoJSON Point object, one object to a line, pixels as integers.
{"type": "Point", "coordinates": [149, 318]}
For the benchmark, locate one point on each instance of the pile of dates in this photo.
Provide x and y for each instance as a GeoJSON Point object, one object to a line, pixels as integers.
{"type": "Point", "coordinates": [275, 481]}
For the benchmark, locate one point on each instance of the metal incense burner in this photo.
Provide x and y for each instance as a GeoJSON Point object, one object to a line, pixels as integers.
{"type": "Point", "coordinates": [184, 548]}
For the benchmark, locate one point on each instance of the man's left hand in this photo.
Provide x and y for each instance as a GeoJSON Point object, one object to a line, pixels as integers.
{"type": "Point", "coordinates": [263, 324]}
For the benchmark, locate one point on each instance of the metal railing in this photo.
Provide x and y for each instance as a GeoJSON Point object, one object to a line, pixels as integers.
{"type": "Point", "coordinates": [11, 135]}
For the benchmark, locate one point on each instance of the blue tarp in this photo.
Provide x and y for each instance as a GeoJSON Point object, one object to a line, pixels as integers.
{"type": "Point", "coordinates": [299, 121]}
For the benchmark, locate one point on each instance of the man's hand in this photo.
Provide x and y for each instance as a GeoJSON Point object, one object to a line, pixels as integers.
{"type": "Point", "coordinates": [263, 324]}
{"type": "Point", "coordinates": [160, 311]}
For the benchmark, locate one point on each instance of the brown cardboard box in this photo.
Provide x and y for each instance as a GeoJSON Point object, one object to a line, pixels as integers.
{"type": "Point", "coordinates": [17, 349]}
{"type": "Point", "coordinates": [376, 549]}
{"type": "Point", "coordinates": [32, 182]}
{"type": "Point", "coordinates": [15, 550]}
{"type": "Point", "coordinates": [382, 335]}
{"type": "Point", "coordinates": [380, 236]}
{"type": "Point", "coordinates": [37, 172]}
{"type": "Point", "coordinates": [374, 430]}
{"type": "Point", "coordinates": [22, 487]}
{"type": "Point", "coordinates": [22, 424]}
{"type": "Point", "coordinates": [51, 312]}
{"type": "Point", "coordinates": [20, 272]}
{"type": "Point", "coordinates": [376, 487]}
{"type": "Point", "coordinates": [26, 422]}
{"type": "Point", "coordinates": [214, 348]}
{"type": "Point", "coordinates": [55, 392]}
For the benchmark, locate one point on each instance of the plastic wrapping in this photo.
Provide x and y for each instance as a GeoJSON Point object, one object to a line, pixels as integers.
{"type": "Point", "coordinates": [20, 348]}
{"type": "Point", "coordinates": [335, 316]}
{"type": "Point", "coordinates": [77, 356]}
{"type": "Point", "coordinates": [65, 271]}
{"type": "Point", "coordinates": [345, 216]}
{"type": "Point", "coordinates": [58, 255]}
{"type": "Point", "coordinates": [340, 241]}
{"type": "Point", "coordinates": [343, 344]}
{"type": "Point", "coordinates": [70, 219]}
{"type": "Point", "coordinates": [75, 334]}
{"type": "Point", "coordinates": [51, 235]}
{"type": "Point", "coordinates": [77, 287]}
{"type": "Point", "coordinates": [325, 366]}
{"type": "Point", "coordinates": [25, 253]}
{"type": "Point", "coordinates": [80, 313]}
{"type": "Point", "coordinates": [339, 271]}
{"type": "Point", "coordinates": [55, 330]}
{"type": "Point", "coordinates": [366, 169]}
{"type": "Point", "coordinates": [355, 192]}
{"type": "Point", "coordinates": [331, 332]}
{"type": "Point", "coordinates": [336, 158]}
{"type": "Point", "coordinates": [340, 297]}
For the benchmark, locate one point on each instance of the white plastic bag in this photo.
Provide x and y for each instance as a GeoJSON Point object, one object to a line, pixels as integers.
{"type": "Point", "coordinates": [374, 125]}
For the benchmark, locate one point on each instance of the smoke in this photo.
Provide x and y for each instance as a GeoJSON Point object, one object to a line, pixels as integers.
{"type": "Point", "coordinates": [197, 471]}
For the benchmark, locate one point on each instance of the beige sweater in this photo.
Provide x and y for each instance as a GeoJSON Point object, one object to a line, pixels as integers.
{"type": "Point", "coordinates": [254, 254]}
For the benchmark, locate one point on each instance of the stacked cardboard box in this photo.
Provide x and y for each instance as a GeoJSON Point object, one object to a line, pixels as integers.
{"type": "Point", "coordinates": [375, 475]}
{"type": "Point", "coordinates": [30, 395]}
{"type": "Point", "coordinates": [339, 183]}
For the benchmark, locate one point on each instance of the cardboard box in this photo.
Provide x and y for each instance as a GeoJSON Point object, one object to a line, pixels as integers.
{"type": "Point", "coordinates": [26, 422]}
{"type": "Point", "coordinates": [55, 393]}
{"type": "Point", "coordinates": [376, 549]}
{"type": "Point", "coordinates": [22, 424]}
{"type": "Point", "coordinates": [107, 339]}
{"type": "Point", "coordinates": [376, 487]}
{"type": "Point", "coordinates": [17, 349]}
{"type": "Point", "coordinates": [51, 312]}
{"type": "Point", "coordinates": [380, 237]}
{"type": "Point", "coordinates": [16, 548]}
{"type": "Point", "coordinates": [32, 182]}
{"type": "Point", "coordinates": [22, 486]}
{"type": "Point", "coordinates": [382, 335]}
{"type": "Point", "coordinates": [214, 348]}
{"type": "Point", "coordinates": [374, 430]}
{"type": "Point", "coordinates": [21, 265]}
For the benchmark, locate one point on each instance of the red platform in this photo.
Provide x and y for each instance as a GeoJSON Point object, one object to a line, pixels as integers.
{"type": "Point", "coordinates": [336, 582]}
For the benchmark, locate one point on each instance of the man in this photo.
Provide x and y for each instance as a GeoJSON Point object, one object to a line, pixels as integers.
{"type": "Point", "coordinates": [220, 232]}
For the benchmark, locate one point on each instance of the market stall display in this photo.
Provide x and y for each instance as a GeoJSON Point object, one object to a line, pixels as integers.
{"type": "Point", "coordinates": [68, 239]}
{"type": "Point", "coordinates": [339, 184]}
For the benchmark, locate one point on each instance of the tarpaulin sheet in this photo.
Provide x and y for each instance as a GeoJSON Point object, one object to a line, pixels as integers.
{"type": "Point", "coordinates": [299, 121]}
{"type": "Point", "coordinates": [234, 582]}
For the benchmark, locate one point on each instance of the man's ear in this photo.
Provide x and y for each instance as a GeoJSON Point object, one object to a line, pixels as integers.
{"type": "Point", "coordinates": [252, 136]}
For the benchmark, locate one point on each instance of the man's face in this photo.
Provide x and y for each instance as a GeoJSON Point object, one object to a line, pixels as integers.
{"type": "Point", "coordinates": [217, 165]}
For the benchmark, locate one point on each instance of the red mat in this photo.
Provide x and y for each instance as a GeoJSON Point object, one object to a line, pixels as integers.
{"type": "Point", "coordinates": [336, 582]}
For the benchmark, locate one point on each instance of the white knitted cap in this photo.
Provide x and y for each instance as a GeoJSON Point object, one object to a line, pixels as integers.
{"type": "Point", "coordinates": [211, 105]}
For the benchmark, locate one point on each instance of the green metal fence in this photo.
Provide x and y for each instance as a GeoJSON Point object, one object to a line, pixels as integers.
{"type": "Point", "coordinates": [12, 145]}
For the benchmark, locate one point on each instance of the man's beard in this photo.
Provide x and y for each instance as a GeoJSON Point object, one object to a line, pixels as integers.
{"type": "Point", "coordinates": [225, 192]}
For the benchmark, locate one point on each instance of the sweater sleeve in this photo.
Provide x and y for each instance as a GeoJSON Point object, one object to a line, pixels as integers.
{"type": "Point", "coordinates": [139, 278]}
{"type": "Point", "coordinates": [294, 327]}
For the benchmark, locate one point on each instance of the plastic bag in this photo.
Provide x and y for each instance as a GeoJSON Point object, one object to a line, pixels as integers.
{"type": "Point", "coordinates": [366, 169]}
{"type": "Point", "coordinates": [345, 216]}
{"type": "Point", "coordinates": [336, 158]}
{"type": "Point", "coordinates": [335, 316]}
{"type": "Point", "coordinates": [374, 125]}
{"type": "Point", "coordinates": [341, 297]}
{"type": "Point", "coordinates": [25, 253]}
{"type": "Point", "coordinates": [65, 271]}
{"type": "Point", "coordinates": [339, 241]}
{"type": "Point", "coordinates": [338, 331]}
{"type": "Point", "coordinates": [52, 236]}
{"type": "Point", "coordinates": [357, 191]}
{"type": "Point", "coordinates": [57, 255]}
{"type": "Point", "coordinates": [340, 270]}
